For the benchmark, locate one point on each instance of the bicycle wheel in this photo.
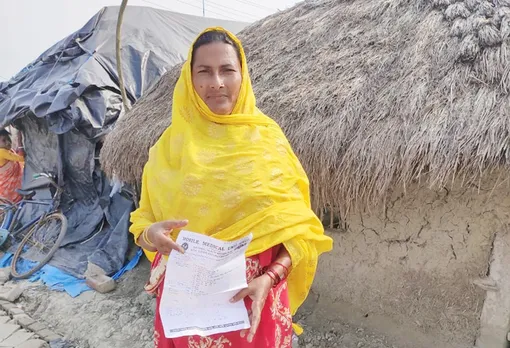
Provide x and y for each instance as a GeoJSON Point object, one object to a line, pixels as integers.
{"type": "Point", "coordinates": [39, 245]}
{"type": "Point", "coordinates": [4, 203]}
{"type": "Point", "coordinates": [6, 206]}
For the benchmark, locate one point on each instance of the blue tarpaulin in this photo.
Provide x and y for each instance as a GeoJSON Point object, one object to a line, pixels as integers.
{"type": "Point", "coordinates": [59, 280]}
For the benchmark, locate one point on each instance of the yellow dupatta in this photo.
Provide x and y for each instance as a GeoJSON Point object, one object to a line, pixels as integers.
{"type": "Point", "coordinates": [230, 176]}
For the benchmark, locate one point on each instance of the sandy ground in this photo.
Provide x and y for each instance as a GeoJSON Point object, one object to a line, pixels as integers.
{"type": "Point", "coordinates": [123, 318]}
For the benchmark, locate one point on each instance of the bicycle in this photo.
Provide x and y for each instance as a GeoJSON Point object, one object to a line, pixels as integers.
{"type": "Point", "coordinates": [50, 226]}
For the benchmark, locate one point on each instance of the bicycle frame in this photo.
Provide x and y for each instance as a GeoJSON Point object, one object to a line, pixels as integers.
{"type": "Point", "coordinates": [11, 218]}
{"type": "Point", "coordinates": [14, 212]}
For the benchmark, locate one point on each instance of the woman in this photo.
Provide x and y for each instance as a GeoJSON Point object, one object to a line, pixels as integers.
{"type": "Point", "coordinates": [11, 168]}
{"type": "Point", "coordinates": [225, 169]}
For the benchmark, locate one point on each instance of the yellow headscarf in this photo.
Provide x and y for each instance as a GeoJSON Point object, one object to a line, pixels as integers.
{"type": "Point", "coordinates": [231, 176]}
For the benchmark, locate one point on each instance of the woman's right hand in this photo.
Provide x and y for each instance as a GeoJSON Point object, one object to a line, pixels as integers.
{"type": "Point", "coordinates": [20, 152]}
{"type": "Point", "coordinates": [159, 235]}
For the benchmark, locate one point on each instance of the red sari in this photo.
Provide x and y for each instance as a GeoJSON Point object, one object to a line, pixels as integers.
{"type": "Point", "coordinates": [274, 331]}
{"type": "Point", "coordinates": [11, 176]}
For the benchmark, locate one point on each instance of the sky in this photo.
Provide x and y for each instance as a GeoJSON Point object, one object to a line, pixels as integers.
{"type": "Point", "coordinates": [29, 27]}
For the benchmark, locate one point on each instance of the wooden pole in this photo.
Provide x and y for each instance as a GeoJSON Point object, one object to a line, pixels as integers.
{"type": "Point", "coordinates": [118, 54]}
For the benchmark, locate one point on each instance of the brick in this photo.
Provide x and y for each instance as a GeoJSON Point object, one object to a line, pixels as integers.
{"type": "Point", "coordinates": [7, 305]}
{"type": "Point", "coordinates": [93, 270]}
{"type": "Point", "coordinates": [6, 330]}
{"type": "Point", "coordinates": [16, 311]}
{"type": "Point", "coordinates": [11, 294]}
{"type": "Point", "coordinates": [33, 343]}
{"type": "Point", "coordinates": [17, 338]}
{"type": "Point", "coordinates": [48, 335]}
{"type": "Point", "coordinates": [5, 275]}
{"type": "Point", "coordinates": [23, 320]}
{"type": "Point", "coordinates": [101, 283]}
{"type": "Point", "coordinates": [36, 327]}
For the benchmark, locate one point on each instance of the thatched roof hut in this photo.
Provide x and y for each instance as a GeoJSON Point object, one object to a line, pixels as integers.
{"type": "Point", "coordinates": [386, 102]}
{"type": "Point", "coordinates": [371, 94]}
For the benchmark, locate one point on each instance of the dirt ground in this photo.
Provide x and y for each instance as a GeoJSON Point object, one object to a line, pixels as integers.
{"type": "Point", "coordinates": [400, 277]}
{"type": "Point", "coordinates": [123, 318]}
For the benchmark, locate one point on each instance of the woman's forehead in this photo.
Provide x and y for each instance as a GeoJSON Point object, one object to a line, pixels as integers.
{"type": "Point", "coordinates": [215, 54]}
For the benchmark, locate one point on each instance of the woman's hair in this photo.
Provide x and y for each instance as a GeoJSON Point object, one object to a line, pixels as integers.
{"type": "Point", "coordinates": [215, 36]}
{"type": "Point", "coordinates": [5, 134]}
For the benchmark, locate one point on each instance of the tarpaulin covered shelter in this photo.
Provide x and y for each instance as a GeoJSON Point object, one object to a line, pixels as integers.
{"type": "Point", "coordinates": [68, 98]}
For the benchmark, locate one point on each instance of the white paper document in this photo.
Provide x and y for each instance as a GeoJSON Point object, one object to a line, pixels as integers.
{"type": "Point", "coordinates": [199, 285]}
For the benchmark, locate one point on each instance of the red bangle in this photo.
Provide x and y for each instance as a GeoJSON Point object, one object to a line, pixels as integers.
{"type": "Point", "coordinates": [274, 276]}
{"type": "Point", "coordinates": [284, 267]}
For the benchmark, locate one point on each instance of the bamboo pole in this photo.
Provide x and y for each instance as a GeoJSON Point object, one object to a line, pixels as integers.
{"type": "Point", "coordinates": [118, 54]}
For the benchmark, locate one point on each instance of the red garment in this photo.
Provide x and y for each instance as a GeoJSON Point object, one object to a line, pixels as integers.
{"type": "Point", "coordinates": [274, 331]}
{"type": "Point", "coordinates": [11, 176]}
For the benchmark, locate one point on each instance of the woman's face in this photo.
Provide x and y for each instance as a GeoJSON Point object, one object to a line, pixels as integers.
{"type": "Point", "coordinates": [216, 74]}
{"type": "Point", "coordinates": [5, 143]}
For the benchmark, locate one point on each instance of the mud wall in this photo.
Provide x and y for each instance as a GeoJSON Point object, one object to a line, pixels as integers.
{"type": "Point", "coordinates": [414, 259]}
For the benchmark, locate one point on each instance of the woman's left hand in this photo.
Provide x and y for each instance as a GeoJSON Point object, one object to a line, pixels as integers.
{"type": "Point", "coordinates": [257, 290]}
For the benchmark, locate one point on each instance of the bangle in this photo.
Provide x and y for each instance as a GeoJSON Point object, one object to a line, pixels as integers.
{"type": "Point", "coordinates": [145, 237]}
{"type": "Point", "coordinates": [273, 279]}
{"type": "Point", "coordinates": [274, 276]}
{"type": "Point", "coordinates": [286, 269]}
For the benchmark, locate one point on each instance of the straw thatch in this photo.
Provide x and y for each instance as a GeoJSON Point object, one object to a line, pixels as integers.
{"type": "Point", "coordinates": [126, 149]}
{"type": "Point", "coordinates": [371, 93]}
